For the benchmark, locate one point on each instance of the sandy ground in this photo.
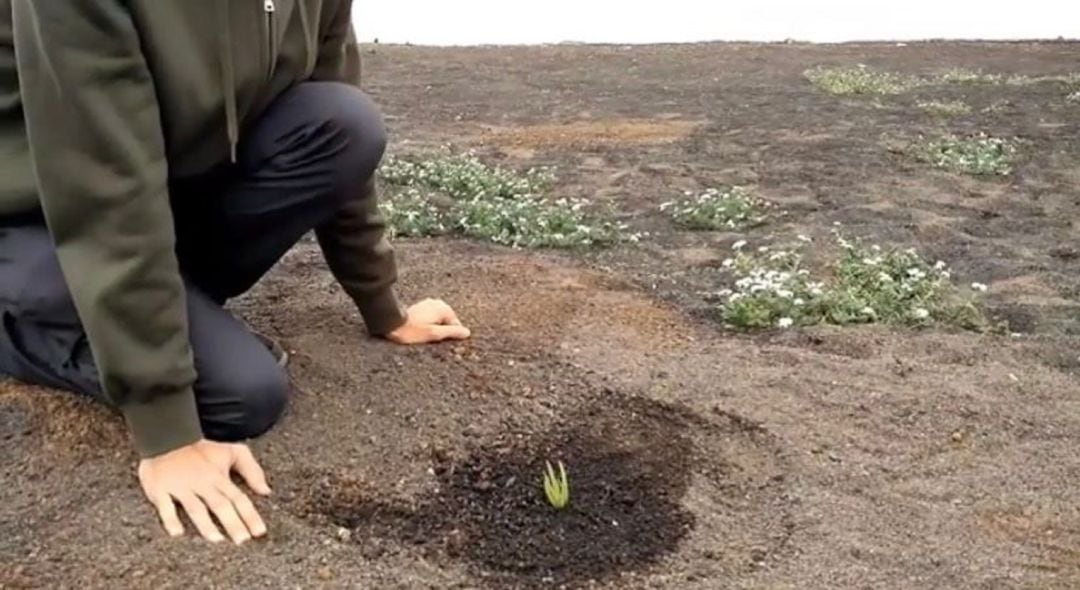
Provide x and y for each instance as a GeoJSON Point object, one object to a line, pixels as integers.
{"type": "Point", "coordinates": [824, 458]}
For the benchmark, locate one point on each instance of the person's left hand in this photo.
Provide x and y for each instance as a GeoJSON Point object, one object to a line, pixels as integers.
{"type": "Point", "coordinates": [431, 320]}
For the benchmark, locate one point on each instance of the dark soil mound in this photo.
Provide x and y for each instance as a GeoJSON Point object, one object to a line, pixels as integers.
{"type": "Point", "coordinates": [629, 464]}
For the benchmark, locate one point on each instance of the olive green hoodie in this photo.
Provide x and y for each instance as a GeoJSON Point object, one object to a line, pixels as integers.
{"type": "Point", "coordinates": [101, 103]}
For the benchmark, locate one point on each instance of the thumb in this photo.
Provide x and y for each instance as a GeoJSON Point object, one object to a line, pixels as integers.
{"type": "Point", "coordinates": [450, 332]}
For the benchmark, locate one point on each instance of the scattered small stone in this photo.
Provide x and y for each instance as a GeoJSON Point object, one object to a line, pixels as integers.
{"type": "Point", "coordinates": [372, 551]}
{"type": "Point", "coordinates": [834, 458]}
{"type": "Point", "coordinates": [344, 534]}
{"type": "Point", "coordinates": [455, 542]}
{"type": "Point", "coordinates": [325, 573]}
{"type": "Point", "coordinates": [958, 436]}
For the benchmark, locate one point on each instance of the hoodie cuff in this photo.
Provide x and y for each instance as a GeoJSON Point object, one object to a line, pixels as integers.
{"type": "Point", "coordinates": [164, 423]}
{"type": "Point", "coordinates": [382, 312]}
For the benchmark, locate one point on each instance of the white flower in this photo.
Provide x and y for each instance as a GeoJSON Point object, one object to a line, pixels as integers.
{"type": "Point", "coordinates": [784, 293]}
{"type": "Point", "coordinates": [785, 322]}
{"type": "Point", "coordinates": [869, 311]}
{"type": "Point", "coordinates": [799, 301]}
{"type": "Point", "coordinates": [979, 287]}
{"type": "Point", "coordinates": [763, 249]}
{"type": "Point", "coordinates": [921, 313]}
{"type": "Point", "coordinates": [725, 293]}
{"type": "Point", "coordinates": [884, 277]}
{"type": "Point", "coordinates": [940, 265]}
{"type": "Point", "coordinates": [728, 263]}
{"type": "Point", "coordinates": [803, 238]}
{"type": "Point", "coordinates": [738, 245]}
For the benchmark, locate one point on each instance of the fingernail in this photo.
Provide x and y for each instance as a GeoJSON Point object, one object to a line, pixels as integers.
{"type": "Point", "coordinates": [217, 539]}
{"type": "Point", "coordinates": [259, 531]}
{"type": "Point", "coordinates": [243, 539]}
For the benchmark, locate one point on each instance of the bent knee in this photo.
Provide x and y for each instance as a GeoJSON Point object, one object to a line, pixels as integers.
{"type": "Point", "coordinates": [348, 111]}
{"type": "Point", "coordinates": [245, 405]}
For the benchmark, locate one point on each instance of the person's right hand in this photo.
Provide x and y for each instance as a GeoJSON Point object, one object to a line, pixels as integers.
{"type": "Point", "coordinates": [198, 478]}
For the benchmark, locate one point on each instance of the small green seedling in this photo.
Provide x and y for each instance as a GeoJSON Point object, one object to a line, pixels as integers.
{"type": "Point", "coordinates": [557, 486]}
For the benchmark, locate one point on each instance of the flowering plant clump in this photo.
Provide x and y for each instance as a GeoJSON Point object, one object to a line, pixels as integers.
{"type": "Point", "coordinates": [449, 193]}
{"type": "Point", "coordinates": [533, 222]}
{"type": "Point", "coordinates": [869, 285]}
{"type": "Point", "coordinates": [715, 209]}
{"type": "Point", "coordinates": [1074, 97]}
{"type": "Point", "coordinates": [412, 214]}
{"type": "Point", "coordinates": [465, 177]}
{"type": "Point", "coordinates": [980, 155]}
{"type": "Point", "coordinates": [860, 80]}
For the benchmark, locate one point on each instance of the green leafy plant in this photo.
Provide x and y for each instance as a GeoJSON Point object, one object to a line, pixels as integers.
{"type": "Point", "coordinates": [714, 209]}
{"type": "Point", "coordinates": [458, 193]}
{"type": "Point", "coordinates": [772, 289]}
{"type": "Point", "coordinates": [980, 155]}
{"type": "Point", "coordinates": [557, 486]}
{"type": "Point", "coordinates": [945, 108]}
{"type": "Point", "coordinates": [411, 213]}
{"type": "Point", "coordinates": [860, 80]}
{"type": "Point", "coordinates": [1074, 98]}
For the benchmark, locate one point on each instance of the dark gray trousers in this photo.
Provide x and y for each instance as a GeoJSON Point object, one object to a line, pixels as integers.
{"type": "Point", "coordinates": [232, 225]}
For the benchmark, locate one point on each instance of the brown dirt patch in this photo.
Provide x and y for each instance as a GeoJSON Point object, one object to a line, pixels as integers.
{"type": "Point", "coordinates": [612, 132]}
{"type": "Point", "coordinates": [63, 424]}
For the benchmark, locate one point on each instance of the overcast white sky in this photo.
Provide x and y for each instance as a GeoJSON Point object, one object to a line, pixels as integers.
{"type": "Point", "coordinates": [450, 22]}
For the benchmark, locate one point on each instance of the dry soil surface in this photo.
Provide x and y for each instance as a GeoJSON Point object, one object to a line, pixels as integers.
{"type": "Point", "coordinates": [699, 458]}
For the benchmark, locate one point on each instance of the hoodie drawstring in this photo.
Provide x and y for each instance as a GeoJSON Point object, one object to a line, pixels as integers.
{"type": "Point", "coordinates": [228, 73]}
{"type": "Point", "coordinates": [228, 81]}
{"type": "Point", "coordinates": [309, 41]}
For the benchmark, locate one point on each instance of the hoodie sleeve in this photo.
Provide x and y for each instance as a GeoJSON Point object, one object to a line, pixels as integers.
{"type": "Point", "coordinates": [98, 149]}
{"type": "Point", "coordinates": [339, 54]}
{"type": "Point", "coordinates": [354, 242]}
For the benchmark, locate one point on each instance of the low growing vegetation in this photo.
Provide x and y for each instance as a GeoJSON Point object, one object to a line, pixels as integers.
{"type": "Point", "coordinates": [938, 108]}
{"type": "Point", "coordinates": [715, 209]}
{"type": "Point", "coordinates": [557, 486]}
{"type": "Point", "coordinates": [860, 80]}
{"type": "Point", "coordinates": [979, 155]}
{"type": "Point", "coordinates": [863, 80]}
{"type": "Point", "coordinates": [867, 284]}
{"type": "Point", "coordinates": [449, 193]}
{"type": "Point", "coordinates": [968, 76]}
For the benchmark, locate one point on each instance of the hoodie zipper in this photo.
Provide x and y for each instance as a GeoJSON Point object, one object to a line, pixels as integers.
{"type": "Point", "coordinates": [270, 8]}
